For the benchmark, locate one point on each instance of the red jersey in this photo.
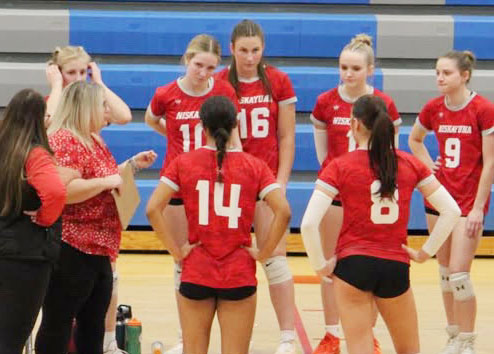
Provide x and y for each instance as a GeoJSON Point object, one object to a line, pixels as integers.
{"type": "Point", "coordinates": [334, 109]}
{"type": "Point", "coordinates": [180, 109]}
{"type": "Point", "coordinates": [373, 226]}
{"type": "Point", "coordinates": [92, 226]}
{"type": "Point", "coordinates": [459, 133]}
{"type": "Point", "coordinates": [258, 118]}
{"type": "Point", "coordinates": [219, 214]}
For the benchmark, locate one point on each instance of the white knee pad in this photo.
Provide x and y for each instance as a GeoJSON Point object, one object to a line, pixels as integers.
{"type": "Point", "coordinates": [277, 270]}
{"type": "Point", "coordinates": [177, 275]}
{"type": "Point", "coordinates": [444, 278]}
{"type": "Point", "coordinates": [461, 286]}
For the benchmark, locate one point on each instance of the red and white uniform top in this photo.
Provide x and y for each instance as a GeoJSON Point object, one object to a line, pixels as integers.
{"type": "Point", "coordinates": [459, 132]}
{"type": "Point", "coordinates": [219, 215]}
{"type": "Point", "coordinates": [334, 110]}
{"type": "Point", "coordinates": [92, 226]}
{"type": "Point", "coordinates": [180, 109]}
{"type": "Point", "coordinates": [258, 115]}
{"type": "Point", "coordinates": [373, 226]}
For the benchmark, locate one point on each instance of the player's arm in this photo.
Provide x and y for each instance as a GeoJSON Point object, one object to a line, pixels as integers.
{"type": "Point", "coordinates": [119, 111]}
{"type": "Point", "coordinates": [156, 123]}
{"type": "Point", "coordinates": [476, 216]}
{"type": "Point", "coordinates": [319, 203]}
{"type": "Point", "coordinates": [282, 214]}
{"type": "Point", "coordinates": [449, 213]}
{"type": "Point", "coordinates": [417, 146]}
{"type": "Point", "coordinates": [158, 201]}
{"type": "Point", "coordinates": [286, 140]}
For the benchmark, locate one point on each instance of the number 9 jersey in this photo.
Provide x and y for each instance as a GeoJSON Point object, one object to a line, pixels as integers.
{"type": "Point", "coordinates": [258, 115]}
{"type": "Point", "coordinates": [459, 132]}
{"type": "Point", "coordinates": [373, 226]}
{"type": "Point", "coordinates": [219, 215]}
{"type": "Point", "coordinates": [180, 109]}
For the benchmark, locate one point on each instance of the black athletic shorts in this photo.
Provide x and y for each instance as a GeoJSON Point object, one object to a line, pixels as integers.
{"type": "Point", "coordinates": [200, 292]}
{"type": "Point", "coordinates": [382, 277]}
{"type": "Point", "coordinates": [434, 212]}
{"type": "Point", "coordinates": [176, 201]}
{"type": "Point", "coordinates": [431, 211]}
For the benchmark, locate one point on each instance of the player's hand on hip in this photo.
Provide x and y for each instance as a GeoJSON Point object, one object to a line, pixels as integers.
{"type": "Point", "coordinates": [419, 256]}
{"type": "Point", "coordinates": [187, 248]}
{"type": "Point", "coordinates": [326, 272]}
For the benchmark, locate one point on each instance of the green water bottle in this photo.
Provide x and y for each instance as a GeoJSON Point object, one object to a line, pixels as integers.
{"type": "Point", "coordinates": [133, 336]}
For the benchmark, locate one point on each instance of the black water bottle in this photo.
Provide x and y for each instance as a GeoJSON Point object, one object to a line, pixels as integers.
{"type": "Point", "coordinates": [120, 331]}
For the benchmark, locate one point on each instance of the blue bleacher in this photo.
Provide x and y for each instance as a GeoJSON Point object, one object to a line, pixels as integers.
{"type": "Point", "coordinates": [164, 33]}
{"type": "Point", "coordinates": [287, 34]}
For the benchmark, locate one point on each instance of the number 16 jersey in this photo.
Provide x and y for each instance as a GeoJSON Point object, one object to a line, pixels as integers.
{"type": "Point", "coordinates": [459, 132]}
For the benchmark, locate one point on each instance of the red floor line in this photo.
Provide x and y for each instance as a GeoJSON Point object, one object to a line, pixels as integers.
{"type": "Point", "coordinates": [302, 334]}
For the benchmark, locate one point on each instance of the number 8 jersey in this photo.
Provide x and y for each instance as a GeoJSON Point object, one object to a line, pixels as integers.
{"type": "Point", "coordinates": [459, 132]}
{"type": "Point", "coordinates": [258, 115]}
{"type": "Point", "coordinates": [219, 215]}
{"type": "Point", "coordinates": [180, 109]}
{"type": "Point", "coordinates": [373, 226]}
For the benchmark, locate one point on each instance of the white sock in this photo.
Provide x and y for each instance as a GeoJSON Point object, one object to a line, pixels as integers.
{"type": "Point", "coordinates": [287, 335]}
{"type": "Point", "coordinates": [334, 330]}
{"type": "Point", "coordinates": [109, 337]}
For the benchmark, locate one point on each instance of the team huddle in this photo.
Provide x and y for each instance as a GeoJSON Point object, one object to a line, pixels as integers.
{"type": "Point", "coordinates": [230, 150]}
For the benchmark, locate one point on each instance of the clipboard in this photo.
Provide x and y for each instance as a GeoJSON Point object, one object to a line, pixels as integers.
{"type": "Point", "coordinates": [128, 200]}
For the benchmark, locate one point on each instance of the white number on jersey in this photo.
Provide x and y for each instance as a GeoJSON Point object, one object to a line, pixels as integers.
{"type": "Point", "coordinates": [185, 129]}
{"type": "Point", "coordinates": [452, 151]}
{"type": "Point", "coordinates": [259, 119]}
{"type": "Point", "coordinates": [380, 204]}
{"type": "Point", "coordinates": [232, 212]}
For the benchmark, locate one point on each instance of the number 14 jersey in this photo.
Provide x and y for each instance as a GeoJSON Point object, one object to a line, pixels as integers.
{"type": "Point", "coordinates": [373, 226]}
{"type": "Point", "coordinates": [459, 134]}
{"type": "Point", "coordinates": [219, 215]}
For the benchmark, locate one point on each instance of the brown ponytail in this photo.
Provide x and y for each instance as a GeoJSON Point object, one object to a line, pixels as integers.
{"type": "Point", "coordinates": [372, 112]}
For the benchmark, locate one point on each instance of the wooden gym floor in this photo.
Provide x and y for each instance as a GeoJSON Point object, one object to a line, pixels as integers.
{"type": "Point", "coordinates": [146, 283]}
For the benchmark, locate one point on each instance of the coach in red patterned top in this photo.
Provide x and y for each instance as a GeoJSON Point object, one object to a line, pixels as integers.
{"type": "Point", "coordinates": [81, 286]}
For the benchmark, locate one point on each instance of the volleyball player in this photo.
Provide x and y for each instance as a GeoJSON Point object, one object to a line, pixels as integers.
{"type": "Point", "coordinates": [375, 183]}
{"type": "Point", "coordinates": [463, 123]}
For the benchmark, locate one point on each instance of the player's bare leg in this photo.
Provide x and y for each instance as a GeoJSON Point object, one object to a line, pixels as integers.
{"type": "Point", "coordinates": [236, 319]}
{"type": "Point", "coordinates": [443, 256]}
{"type": "Point", "coordinates": [110, 341]}
{"type": "Point", "coordinates": [354, 303]}
{"type": "Point", "coordinates": [176, 221]}
{"type": "Point", "coordinates": [330, 228]}
{"type": "Point", "coordinates": [281, 287]}
{"type": "Point", "coordinates": [400, 315]}
{"type": "Point", "coordinates": [197, 317]}
{"type": "Point", "coordinates": [465, 302]}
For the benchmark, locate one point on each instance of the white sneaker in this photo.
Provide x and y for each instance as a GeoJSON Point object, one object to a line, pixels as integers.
{"type": "Point", "coordinates": [176, 349]}
{"type": "Point", "coordinates": [286, 348]}
{"type": "Point", "coordinates": [113, 348]}
{"type": "Point", "coordinates": [467, 341]}
{"type": "Point", "coordinates": [452, 345]}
